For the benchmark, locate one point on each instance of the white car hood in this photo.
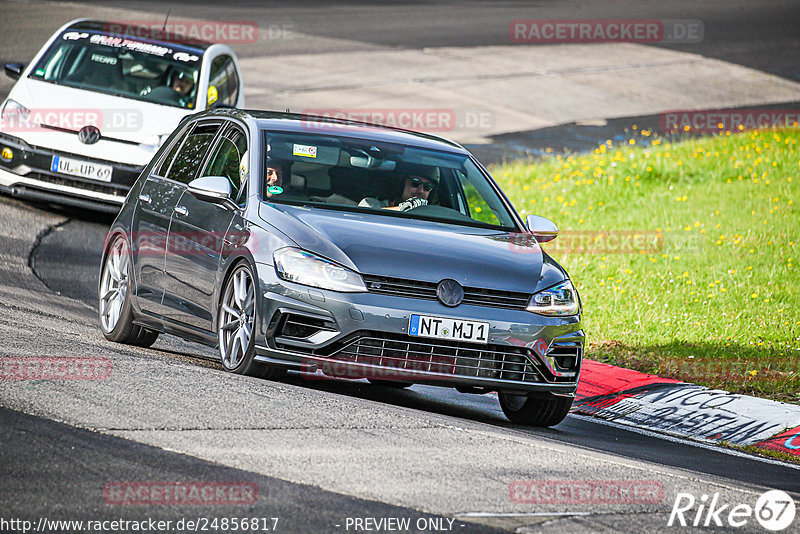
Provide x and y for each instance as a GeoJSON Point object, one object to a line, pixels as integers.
{"type": "Point", "coordinates": [124, 123]}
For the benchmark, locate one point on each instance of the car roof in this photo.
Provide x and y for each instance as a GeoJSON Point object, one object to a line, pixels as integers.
{"type": "Point", "coordinates": [319, 125]}
{"type": "Point", "coordinates": [138, 32]}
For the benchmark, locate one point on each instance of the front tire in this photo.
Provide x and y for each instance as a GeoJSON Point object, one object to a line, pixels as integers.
{"type": "Point", "coordinates": [116, 315]}
{"type": "Point", "coordinates": [534, 411]}
{"type": "Point", "coordinates": [237, 320]}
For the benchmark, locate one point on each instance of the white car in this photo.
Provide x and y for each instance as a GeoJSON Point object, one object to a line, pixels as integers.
{"type": "Point", "coordinates": [93, 107]}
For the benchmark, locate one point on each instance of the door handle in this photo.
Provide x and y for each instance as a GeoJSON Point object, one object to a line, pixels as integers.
{"type": "Point", "coordinates": [144, 198]}
{"type": "Point", "coordinates": [180, 210]}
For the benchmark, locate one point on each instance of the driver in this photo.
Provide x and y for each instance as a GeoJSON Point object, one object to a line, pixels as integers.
{"type": "Point", "coordinates": [182, 82]}
{"type": "Point", "coordinates": [418, 183]}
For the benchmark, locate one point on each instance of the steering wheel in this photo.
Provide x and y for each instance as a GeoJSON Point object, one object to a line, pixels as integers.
{"type": "Point", "coordinates": [434, 210]}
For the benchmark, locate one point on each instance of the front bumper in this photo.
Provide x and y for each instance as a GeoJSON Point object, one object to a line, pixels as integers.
{"type": "Point", "coordinates": [365, 335]}
{"type": "Point", "coordinates": [28, 175]}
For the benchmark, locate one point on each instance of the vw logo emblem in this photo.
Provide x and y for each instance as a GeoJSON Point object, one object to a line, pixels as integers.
{"type": "Point", "coordinates": [449, 292]}
{"type": "Point", "coordinates": [89, 135]}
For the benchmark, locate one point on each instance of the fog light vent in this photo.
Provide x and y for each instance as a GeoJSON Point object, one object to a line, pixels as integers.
{"type": "Point", "coordinates": [301, 327]}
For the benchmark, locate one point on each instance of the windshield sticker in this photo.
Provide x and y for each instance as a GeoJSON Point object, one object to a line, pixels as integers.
{"type": "Point", "coordinates": [275, 190]}
{"type": "Point", "coordinates": [186, 58]}
{"type": "Point", "coordinates": [74, 36]}
{"type": "Point", "coordinates": [137, 46]}
{"type": "Point", "coordinates": [213, 94]}
{"type": "Point", "coordinates": [305, 151]}
{"type": "Point", "coordinates": [108, 60]}
{"type": "Point", "coordinates": [243, 166]}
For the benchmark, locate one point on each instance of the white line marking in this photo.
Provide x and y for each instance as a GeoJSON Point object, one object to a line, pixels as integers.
{"type": "Point", "coordinates": [685, 441]}
{"type": "Point", "coordinates": [524, 514]}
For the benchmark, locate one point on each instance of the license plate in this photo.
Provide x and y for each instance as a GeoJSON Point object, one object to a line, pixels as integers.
{"type": "Point", "coordinates": [84, 169]}
{"type": "Point", "coordinates": [448, 328]}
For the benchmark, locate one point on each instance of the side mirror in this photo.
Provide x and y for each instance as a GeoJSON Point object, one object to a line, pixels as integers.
{"type": "Point", "coordinates": [542, 228]}
{"type": "Point", "coordinates": [14, 70]}
{"type": "Point", "coordinates": [214, 189]}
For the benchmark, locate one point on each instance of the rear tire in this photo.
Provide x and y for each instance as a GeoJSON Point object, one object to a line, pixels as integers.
{"type": "Point", "coordinates": [116, 315]}
{"type": "Point", "coordinates": [534, 411]}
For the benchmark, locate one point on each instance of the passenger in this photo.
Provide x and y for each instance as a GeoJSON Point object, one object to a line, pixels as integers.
{"type": "Point", "coordinates": [418, 183]}
{"type": "Point", "coordinates": [274, 175]}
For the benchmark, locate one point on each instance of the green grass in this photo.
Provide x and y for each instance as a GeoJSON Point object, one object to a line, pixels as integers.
{"type": "Point", "coordinates": [694, 273]}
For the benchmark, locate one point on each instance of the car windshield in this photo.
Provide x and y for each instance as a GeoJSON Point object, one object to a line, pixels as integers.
{"type": "Point", "coordinates": [166, 74]}
{"type": "Point", "coordinates": [393, 180]}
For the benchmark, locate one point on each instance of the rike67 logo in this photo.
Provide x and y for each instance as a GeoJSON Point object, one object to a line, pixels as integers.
{"type": "Point", "coordinates": [774, 510]}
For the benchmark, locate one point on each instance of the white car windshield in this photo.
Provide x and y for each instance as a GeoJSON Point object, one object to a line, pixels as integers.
{"type": "Point", "coordinates": [163, 73]}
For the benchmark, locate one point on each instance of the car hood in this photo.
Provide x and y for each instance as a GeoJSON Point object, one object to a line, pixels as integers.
{"type": "Point", "coordinates": [419, 250]}
{"type": "Point", "coordinates": [125, 118]}
{"type": "Point", "coordinates": [126, 122]}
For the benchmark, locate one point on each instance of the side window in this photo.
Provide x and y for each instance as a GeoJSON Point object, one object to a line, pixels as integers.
{"type": "Point", "coordinates": [163, 168]}
{"type": "Point", "coordinates": [479, 209]}
{"type": "Point", "coordinates": [226, 159]}
{"type": "Point", "coordinates": [224, 81]}
{"type": "Point", "coordinates": [186, 164]}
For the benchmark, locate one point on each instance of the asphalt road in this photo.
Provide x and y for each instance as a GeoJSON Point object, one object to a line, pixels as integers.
{"type": "Point", "coordinates": [761, 35]}
{"type": "Point", "coordinates": [45, 484]}
{"type": "Point", "coordinates": [321, 451]}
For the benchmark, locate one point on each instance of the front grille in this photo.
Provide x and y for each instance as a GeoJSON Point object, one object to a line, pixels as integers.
{"type": "Point", "coordinates": [401, 353]}
{"type": "Point", "coordinates": [415, 289]}
{"type": "Point", "coordinates": [76, 132]}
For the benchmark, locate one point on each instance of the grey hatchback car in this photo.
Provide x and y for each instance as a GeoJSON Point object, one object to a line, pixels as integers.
{"type": "Point", "coordinates": [345, 249]}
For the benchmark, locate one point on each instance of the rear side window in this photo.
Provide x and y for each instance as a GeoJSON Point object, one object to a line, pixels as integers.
{"type": "Point", "coordinates": [192, 153]}
{"type": "Point", "coordinates": [223, 84]}
{"type": "Point", "coordinates": [164, 167]}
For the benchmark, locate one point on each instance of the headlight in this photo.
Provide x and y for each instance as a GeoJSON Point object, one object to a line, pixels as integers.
{"type": "Point", "coordinates": [14, 114]}
{"type": "Point", "coordinates": [301, 267]}
{"type": "Point", "coordinates": [561, 299]}
{"type": "Point", "coordinates": [153, 142]}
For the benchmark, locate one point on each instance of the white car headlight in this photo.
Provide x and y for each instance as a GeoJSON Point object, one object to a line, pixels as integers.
{"type": "Point", "coordinates": [14, 114]}
{"type": "Point", "coordinates": [561, 299]}
{"type": "Point", "coordinates": [153, 142]}
{"type": "Point", "coordinates": [301, 267]}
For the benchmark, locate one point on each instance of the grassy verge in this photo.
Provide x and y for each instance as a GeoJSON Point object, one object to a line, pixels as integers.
{"type": "Point", "coordinates": [685, 254]}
